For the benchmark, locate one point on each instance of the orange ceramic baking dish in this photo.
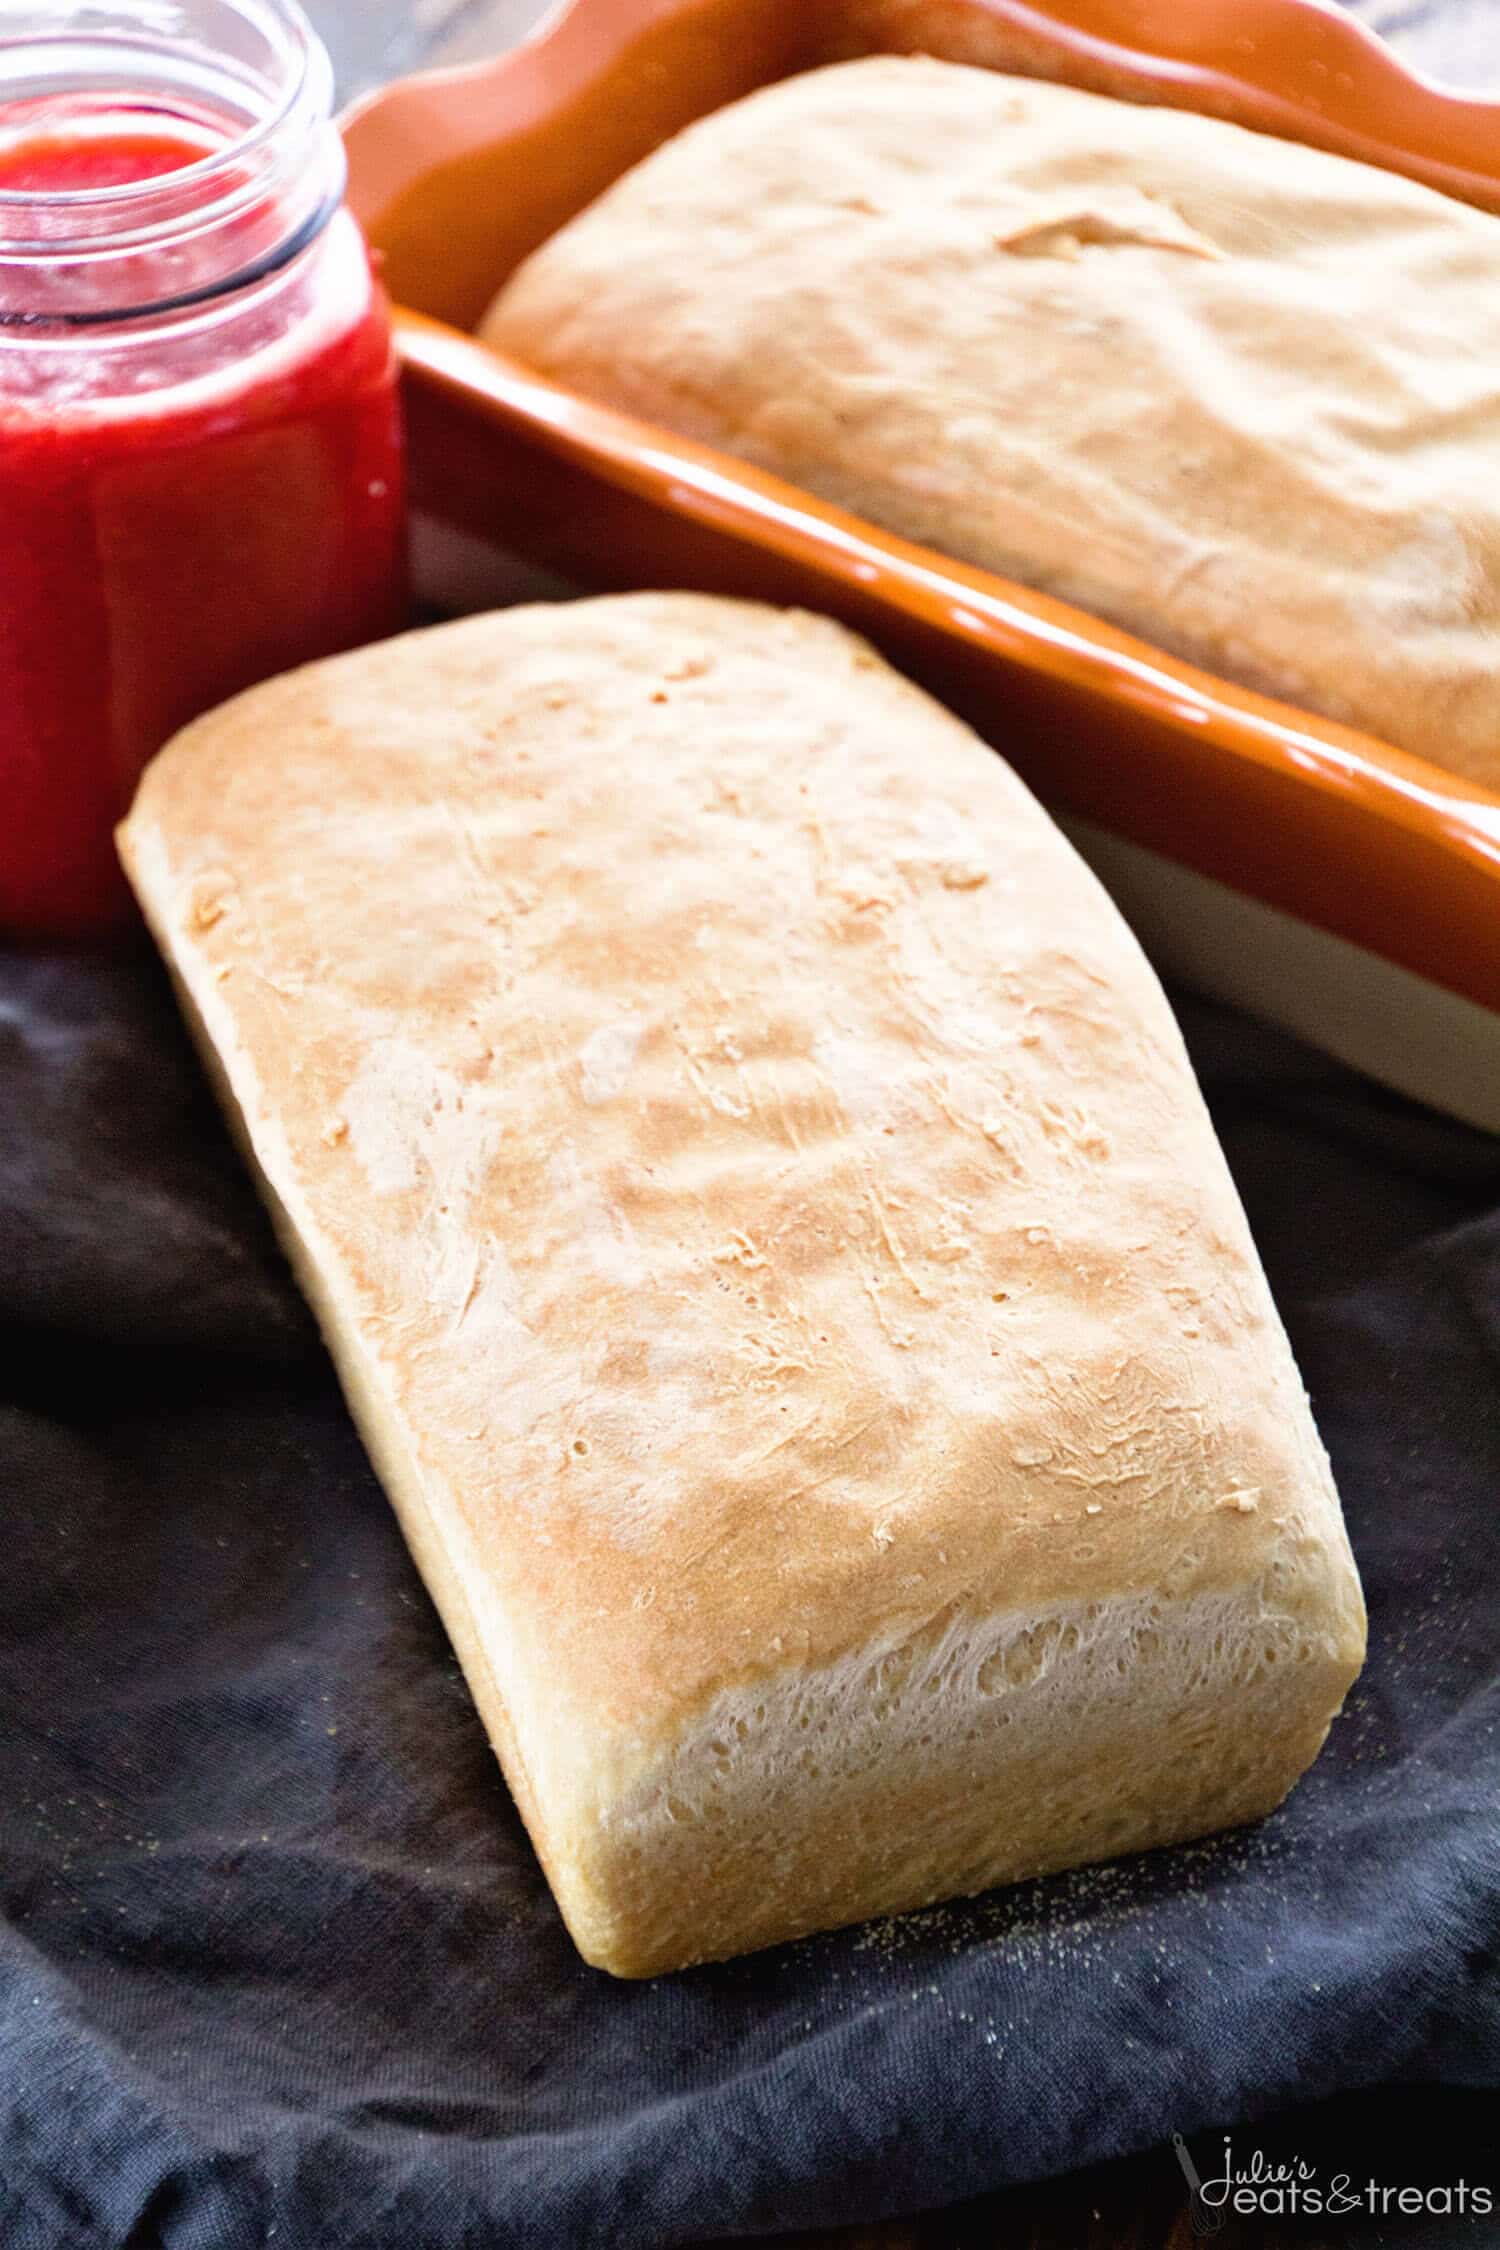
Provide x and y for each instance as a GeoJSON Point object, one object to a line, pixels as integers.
{"type": "Point", "coordinates": [1306, 871]}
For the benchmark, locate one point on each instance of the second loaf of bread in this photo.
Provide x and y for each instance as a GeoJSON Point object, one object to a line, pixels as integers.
{"type": "Point", "coordinates": [756, 1196]}
{"type": "Point", "coordinates": [1238, 396]}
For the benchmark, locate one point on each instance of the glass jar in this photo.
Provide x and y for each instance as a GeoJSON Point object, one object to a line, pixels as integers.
{"type": "Point", "coordinates": [200, 451]}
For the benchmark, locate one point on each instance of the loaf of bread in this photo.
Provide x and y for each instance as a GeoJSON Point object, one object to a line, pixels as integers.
{"type": "Point", "coordinates": [773, 1245]}
{"type": "Point", "coordinates": [1235, 395]}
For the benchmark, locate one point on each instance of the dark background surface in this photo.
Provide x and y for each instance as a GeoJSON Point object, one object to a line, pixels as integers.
{"type": "Point", "coordinates": [276, 1965]}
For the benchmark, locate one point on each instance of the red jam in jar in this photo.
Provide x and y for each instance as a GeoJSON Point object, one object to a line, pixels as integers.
{"type": "Point", "coordinates": [200, 448]}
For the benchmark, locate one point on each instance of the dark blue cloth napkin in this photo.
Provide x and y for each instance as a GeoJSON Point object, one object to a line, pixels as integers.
{"type": "Point", "coordinates": [277, 1965]}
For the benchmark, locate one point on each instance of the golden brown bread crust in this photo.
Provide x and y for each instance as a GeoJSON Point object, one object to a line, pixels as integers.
{"type": "Point", "coordinates": [756, 1196]}
{"type": "Point", "coordinates": [1237, 396]}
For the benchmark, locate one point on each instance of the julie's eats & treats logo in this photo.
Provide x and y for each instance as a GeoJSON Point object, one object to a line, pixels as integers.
{"type": "Point", "coordinates": [1250, 2185]}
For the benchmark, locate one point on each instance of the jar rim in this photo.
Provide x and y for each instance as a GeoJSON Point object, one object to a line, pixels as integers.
{"type": "Point", "coordinates": [285, 15]}
{"type": "Point", "coordinates": [210, 186]}
{"type": "Point", "coordinates": [252, 72]}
